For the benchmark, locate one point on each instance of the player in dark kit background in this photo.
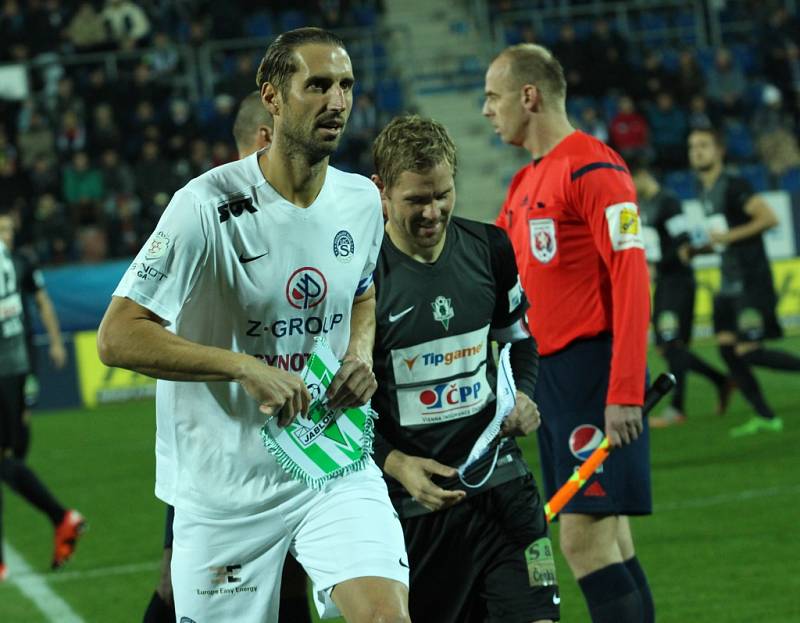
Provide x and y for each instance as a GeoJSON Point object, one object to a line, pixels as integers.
{"type": "Point", "coordinates": [673, 302]}
{"type": "Point", "coordinates": [572, 218]}
{"type": "Point", "coordinates": [445, 288]}
{"type": "Point", "coordinates": [744, 308]}
{"type": "Point", "coordinates": [14, 366]}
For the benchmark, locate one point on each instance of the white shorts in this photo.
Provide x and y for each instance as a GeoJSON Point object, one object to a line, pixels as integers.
{"type": "Point", "coordinates": [230, 569]}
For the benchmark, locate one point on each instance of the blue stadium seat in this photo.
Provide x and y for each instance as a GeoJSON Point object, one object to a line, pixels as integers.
{"type": "Point", "coordinates": [670, 59]}
{"type": "Point", "coordinates": [293, 19]}
{"type": "Point", "coordinates": [653, 26]}
{"type": "Point", "coordinates": [746, 57]}
{"type": "Point", "coordinates": [682, 183]}
{"type": "Point", "coordinates": [364, 15]}
{"type": "Point", "coordinates": [790, 181]}
{"type": "Point", "coordinates": [740, 142]}
{"type": "Point", "coordinates": [259, 24]}
{"type": "Point", "coordinates": [757, 175]}
{"type": "Point", "coordinates": [389, 96]}
{"type": "Point", "coordinates": [576, 106]}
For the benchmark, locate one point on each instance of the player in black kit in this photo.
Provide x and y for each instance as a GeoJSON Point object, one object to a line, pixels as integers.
{"type": "Point", "coordinates": [446, 287]}
{"type": "Point", "coordinates": [669, 256]}
{"type": "Point", "coordinates": [744, 308]}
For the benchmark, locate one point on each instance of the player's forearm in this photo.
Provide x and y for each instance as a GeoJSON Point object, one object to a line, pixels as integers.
{"type": "Point", "coordinates": [148, 348]}
{"type": "Point", "coordinates": [49, 317]}
{"type": "Point", "coordinates": [631, 319]}
{"type": "Point", "coordinates": [362, 327]}
{"type": "Point", "coordinates": [748, 230]}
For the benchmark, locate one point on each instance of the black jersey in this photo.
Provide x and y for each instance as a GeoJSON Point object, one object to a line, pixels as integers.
{"type": "Point", "coordinates": [663, 213]}
{"type": "Point", "coordinates": [744, 263]}
{"type": "Point", "coordinates": [436, 373]}
{"type": "Point", "coordinates": [13, 351]}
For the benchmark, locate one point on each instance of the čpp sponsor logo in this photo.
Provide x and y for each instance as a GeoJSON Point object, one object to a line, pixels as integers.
{"type": "Point", "coordinates": [447, 396]}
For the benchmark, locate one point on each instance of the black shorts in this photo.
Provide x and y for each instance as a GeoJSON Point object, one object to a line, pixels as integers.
{"type": "Point", "coordinates": [673, 308]}
{"type": "Point", "coordinates": [12, 405]}
{"type": "Point", "coordinates": [488, 558]}
{"type": "Point", "coordinates": [168, 534]}
{"type": "Point", "coordinates": [571, 395]}
{"type": "Point", "coordinates": [751, 315]}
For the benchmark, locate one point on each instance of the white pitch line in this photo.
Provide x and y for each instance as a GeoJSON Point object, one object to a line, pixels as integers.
{"type": "Point", "coordinates": [725, 498]}
{"type": "Point", "coordinates": [35, 588]}
{"type": "Point", "coordinates": [66, 576]}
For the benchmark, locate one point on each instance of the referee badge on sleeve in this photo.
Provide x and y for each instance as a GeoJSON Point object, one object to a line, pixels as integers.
{"type": "Point", "coordinates": [624, 227]}
{"type": "Point", "coordinates": [543, 239]}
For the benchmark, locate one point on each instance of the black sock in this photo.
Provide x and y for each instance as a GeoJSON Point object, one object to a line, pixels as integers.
{"type": "Point", "coordinates": [745, 381]}
{"type": "Point", "coordinates": [158, 611]}
{"type": "Point", "coordinates": [775, 359]}
{"type": "Point", "coordinates": [638, 575]}
{"type": "Point", "coordinates": [23, 481]}
{"type": "Point", "coordinates": [22, 442]}
{"type": "Point", "coordinates": [677, 357]}
{"type": "Point", "coordinates": [706, 369]}
{"type": "Point", "coordinates": [612, 595]}
{"type": "Point", "coordinates": [294, 610]}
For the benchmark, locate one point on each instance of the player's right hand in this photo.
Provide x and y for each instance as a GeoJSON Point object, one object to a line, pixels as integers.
{"type": "Point", "coordinates": [623, 424]}
{"type": "Point", "coordinates": [414, 473]}
{"type": "Point", "coordinates": [278, 392]}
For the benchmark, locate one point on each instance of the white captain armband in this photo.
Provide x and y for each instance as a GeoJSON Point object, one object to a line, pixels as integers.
{"type": "Point", "coordinates": [515, 296]}
{"type": "Point", "coordinates": [514, 333]}
{"type": "Point", "coordinates": [624, 226]}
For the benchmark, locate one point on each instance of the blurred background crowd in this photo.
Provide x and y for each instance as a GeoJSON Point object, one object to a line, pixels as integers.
{"type": "Point", "coordinates": [112, 105]}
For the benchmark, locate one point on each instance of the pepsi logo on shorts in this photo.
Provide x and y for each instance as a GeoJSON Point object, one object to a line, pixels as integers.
{"type": "Point", "coordinates": [583, 440]}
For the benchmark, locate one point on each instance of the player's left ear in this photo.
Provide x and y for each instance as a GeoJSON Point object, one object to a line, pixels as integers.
{"type": "Point", "coordinates": [531, 97]}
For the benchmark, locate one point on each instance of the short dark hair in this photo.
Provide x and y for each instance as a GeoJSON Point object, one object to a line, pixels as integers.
{"type": "Point", "coordinates": [278, 64]}
{"type": "Point", "coordinates": [252, 113]}
{"type": "Point", "coordinates": [411, 143]}
{"type": "Point", "coordinates": [716, 134]}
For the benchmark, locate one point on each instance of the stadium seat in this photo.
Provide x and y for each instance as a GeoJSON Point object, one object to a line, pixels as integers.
{"type": "Point", "coordinates": [740, 142]}
{"type": "Point", "coordinates": [682, 183]}
{"type": "Point", "coordinates": [293, 19]}
{"type": "Point", "coordinates": [364, 16]}
{"type": "Point", "coordinates": [790, 181]}
{"type": "Point", "coordinates": [757, 175]}
{"type": "Point", "coordinates": [389, 95]}
{"type": "Point", "coordinates": [746, 57]}
{"type": "Point", "coordinates": [259, 24]}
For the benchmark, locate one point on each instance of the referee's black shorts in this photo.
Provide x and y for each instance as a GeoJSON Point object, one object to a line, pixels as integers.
{"type": "Point", "coordinates": [11, 407]}
{"type": "Point", "coordinates": [488, 558]}
{"type": "Point", "coordinates": [673, 308]}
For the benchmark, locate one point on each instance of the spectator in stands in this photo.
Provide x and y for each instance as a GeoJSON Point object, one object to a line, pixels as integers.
{"type": "Point", "coordinates": [163, 59]}
{"type": "Point", "coordinates": [700, 117]}
{"type": "Point", "coordinates": [52, 231]}
{"type": "Point", "coordinates": [572, 55]}
{"type": "Point", "coordinates": [99, 90]}
{"type": "Point", "coordinates": [12, 28]}
{"type": "Point", "coordinates": [7, 149]}
{"type": "Point", "coordinates": [46, 21]}
{"type": "Point", "coordinates": [726, 84]}
{"type": "Point", "coordinates": [774, 129]}
{"type": "Point", "coordinates": [66, 99]}
{"type": "Point", "coordinates": [629, 132]}
{"type": "Point", "coordinates": [668, 130]}
{"type": "Point", "coordinates": [83, 190]}
{"type": "Point", "coordinates": [591, 123]}
{"type": "Point", "coordinates": [45, 176]}
{"type": "Point", "coordinates": [35, 141]}
{"type": "Point", "coordinates": [690, 80]}
{"type": "Point", "coordinates": [652, 79]}
{"type": "Point", "coordinates": [239, 82]}
{"type": "Point", "coordinates": [218, 126]}
{"type": "Point", "coordinates": [152, 173]}
{"type": "Point", "coordinates": [125, 229]}
{"type": "Point", "coordinates": [15, 187]}
{"type": "Point", "coordinates": [143, 117]}
{"type": "Point", "coordinates": [606, 59]}
{"type": "Point", "coordinates": [180, 128]}
{"type": "Point", "coordinates": [127, 23]}
{"type": "Point", "coordinates": [778, 35]}
{"type": "Point", "coordinates": [104, 132]}
{"type": "Point", "coordinates": [71, 135]}
{"type": "Point", "coordinates": [87, 30]}
{"type": "Point", "coordinates": [118, 176]}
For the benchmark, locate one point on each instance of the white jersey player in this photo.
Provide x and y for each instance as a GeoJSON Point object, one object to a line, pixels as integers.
{"type": "Point", "coordinates": [248, 264]}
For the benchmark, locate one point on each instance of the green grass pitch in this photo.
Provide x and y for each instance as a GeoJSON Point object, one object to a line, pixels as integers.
{"type": "Point", "coordinates": [721, 547]}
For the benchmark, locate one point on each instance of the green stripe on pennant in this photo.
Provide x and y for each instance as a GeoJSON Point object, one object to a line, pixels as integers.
{"type": "Point", "coordinates": [357, 418]}
{"type": "Point", "coordinates": [317, 456]}
{"type": "Point", "coordinates": [318, 367]}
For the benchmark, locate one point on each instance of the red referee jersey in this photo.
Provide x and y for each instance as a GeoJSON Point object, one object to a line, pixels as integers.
{"type": "Point", "coordinates": [574, 223]}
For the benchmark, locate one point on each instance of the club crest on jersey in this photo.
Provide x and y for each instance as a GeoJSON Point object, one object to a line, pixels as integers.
{"type": "Point", "coordinates": [443, 311]}
{"type": "Point", "coordinates": [158, 247]}
{"type": "Point", "coordinates": [306, 288]}
{"type": "Point", "coordinates": [343, 246]}
{"type": "Point", "coordinates": [583, 440]}
{"type": "Point", "coordinates": [543, 239]}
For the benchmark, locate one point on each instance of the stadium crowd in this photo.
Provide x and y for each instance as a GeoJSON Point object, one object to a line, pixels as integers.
{"type": "Point", "coordinates": [90, 159]}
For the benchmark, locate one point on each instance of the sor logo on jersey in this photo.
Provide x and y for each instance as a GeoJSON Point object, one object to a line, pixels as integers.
{"type": "Point", "coordinates": [306, 288]}
{"type": "Point", "coordinates": [584, 440]}
{"type": "Point", "coordinates": [343, 246]}
{"type": "Point", "coordinates": [446, 396]}
{"type": "Point", "coordinates": [235, 207]}
{"type": "Point", "coordinates": [543, 239]}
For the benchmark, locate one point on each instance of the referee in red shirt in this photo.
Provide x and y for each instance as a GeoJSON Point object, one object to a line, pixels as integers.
{"type": "Point", "coordinates": [572, 217]}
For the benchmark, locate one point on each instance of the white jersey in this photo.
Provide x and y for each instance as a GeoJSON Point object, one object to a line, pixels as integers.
{"type": "Point", "coordinates": [233, 264]}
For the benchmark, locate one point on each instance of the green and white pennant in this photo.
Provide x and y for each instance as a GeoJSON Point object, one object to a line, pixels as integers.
{"type": "Point", "coordinates": [329, 442]}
